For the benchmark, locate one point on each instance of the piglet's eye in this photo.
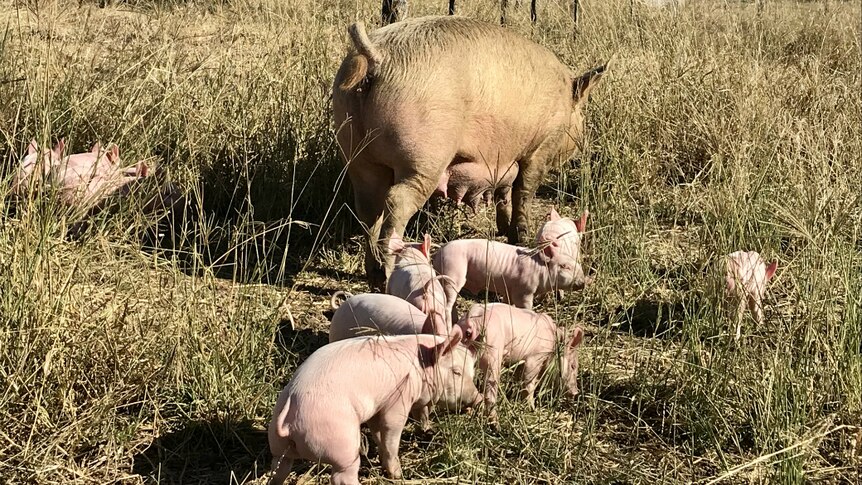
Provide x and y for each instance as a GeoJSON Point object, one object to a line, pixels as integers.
{"type": "Point", "coordinates": [457, 372]}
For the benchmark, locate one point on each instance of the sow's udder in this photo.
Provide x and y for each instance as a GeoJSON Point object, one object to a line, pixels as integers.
{"type": "Point", "coordinates": [473, 182]}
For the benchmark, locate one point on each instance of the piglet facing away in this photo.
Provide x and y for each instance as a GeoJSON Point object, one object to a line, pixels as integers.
{"type": "Point", "coordinates": [745, 278]}
{"type": "Point", "coordinates": [373, 380]}
{"type": "Point", "coordinates": [38, 162]}
{"type": "Point", "coordinates": [511, 335]}
{"type": "Point", "coordinates": [380, 314]}
{"type": "Point", "coordinates": [414, 279]}
{"type": "Point", "coordinates": [516, 274]}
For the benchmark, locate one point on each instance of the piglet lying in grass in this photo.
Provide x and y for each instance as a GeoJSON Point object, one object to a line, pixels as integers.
{"type": "Point", "coordinates": [516, 274]}
{"type": "Point", "coordinates": [413, 278]}
{"type": "Point", "coordinates": [37, 162]}
{"type": "Point", "coordinates": [373, 380]}
{"type": "Point", "coordinates": [85, 179]}
{"type": "Point", "coordinates": [511, 335]}
{"type": "Point", "coordinates": [745, 278]}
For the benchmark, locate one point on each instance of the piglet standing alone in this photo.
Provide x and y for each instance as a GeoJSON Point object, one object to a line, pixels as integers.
{"type": "Point", "coordinates": [745, 278]}
{"type": "Point", "coordinates": [516, 274]}
{"type": "Point", "coordinates": [373, 380]}
{"type": "Point", "coordinates": [414, 279]}
{"type": "Point", "coordinates": [512, 335]}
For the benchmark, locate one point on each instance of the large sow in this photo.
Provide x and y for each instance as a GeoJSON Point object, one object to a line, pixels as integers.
{"type": "Point", "coordinates": [455, 106]}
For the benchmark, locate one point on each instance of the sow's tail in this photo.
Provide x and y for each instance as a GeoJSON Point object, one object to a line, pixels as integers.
{"type": "Point", "coordinates": [362, 63]}
{"type": "Point", "coordinates": [337, 298]}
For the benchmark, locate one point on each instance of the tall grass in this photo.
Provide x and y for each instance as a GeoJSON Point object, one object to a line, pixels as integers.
{"type": "Point", "coordinates": [719, 127]}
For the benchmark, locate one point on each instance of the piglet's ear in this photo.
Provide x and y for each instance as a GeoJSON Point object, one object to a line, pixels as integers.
{"type": "Point", "coordinates": [143, 169]}
{"type": "Point", "coordinates": [553, 215]}
{"type": "Point", "coordinates": [114, 154]}
{"type": "Point", "coordinates": [396, 244]}
{"type": "Point", "coordinates": [551, 250]}
{"type": "Point", "coordinates": [426, 246]}
{"type": "Point", "coordinates": [429, 356]}
{"type": "Point", "coordinates": [581, 224]}
{"type": "Point", "coordinates": [32, 147]}
{"type": "Point", "coordinates": [455, 336]}
{"type": "Point", "coordinates": [770, 270]}
{"type": "Point", "coordinates": [428, 326]}
{"type": "Point", "coordinates": [577, 338]}
{"type": "Point", "coordinates": [96, 147]}
{"type": "Point", "coordinates": [59, 147]}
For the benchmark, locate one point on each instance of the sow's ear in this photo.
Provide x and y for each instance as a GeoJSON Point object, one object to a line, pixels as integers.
{"type": "Point", "coordinates": [582, 86]}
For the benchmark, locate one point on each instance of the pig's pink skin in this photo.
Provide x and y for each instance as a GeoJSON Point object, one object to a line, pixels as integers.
{"type": "Point", "coordinates": [562, 234]}
{"type": "Point", "coordinates": [373, 380]}
{"type": "Point", "coordinates": [512, 335]}
{"type": "Point", "coordinates": [745, 280]}
{"type": "Point", "coordinates": [413, 278]}
{"type": "Point", "coordinates": [516, 274]}
{"type": "Point", "coordinates": [474, 183]}
{"type": "Point", "coordinates": [30, 164]}
{"type": "Point", "coordinates": [377, 313]}
{"type": "Point", "coordinates": [84, 179]}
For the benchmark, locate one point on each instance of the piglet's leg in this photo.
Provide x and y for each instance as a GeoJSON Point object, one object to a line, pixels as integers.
{"type": "Point", "coordinates": [423, 415]}
{"type": "Point", "coordinates": [281, 466]}
{"type": "Point", "coordinates": [740, 314]}
{"type": "Point", "coordinates": [530, 379]}
{"type": "Point", "coordinates": [389, 423]}
{"type": "Point", "coordinates": [521, 301]}
{"type": "Point", "coordinates": [490, 364]}
{"type": "Point", "coordinates": [756, 310]}
{"type": "Point", "coordinates": [348, 475]}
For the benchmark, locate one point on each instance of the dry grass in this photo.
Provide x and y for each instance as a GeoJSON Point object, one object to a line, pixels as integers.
{"type": "Point", "coordinates": [128, 357]}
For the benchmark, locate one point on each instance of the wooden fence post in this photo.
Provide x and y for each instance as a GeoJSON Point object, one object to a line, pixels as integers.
{"type": "Point", "coordinates": [393, 11]}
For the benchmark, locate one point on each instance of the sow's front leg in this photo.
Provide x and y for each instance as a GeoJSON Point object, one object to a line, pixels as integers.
{"type": "Point", "coordinates": [370, 183]}
{"type": "Point", "coordinates": [503, 209]}
{"type": "Point", "coordinates": [532, 172]}
{"type": "Point", "coordinates": [403, 200]}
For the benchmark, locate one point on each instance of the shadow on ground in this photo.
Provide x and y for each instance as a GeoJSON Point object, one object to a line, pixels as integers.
{"type": "Point", "coordinates": [647, 318]}
{"type": "Point", "coordinates": [206, 452]}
